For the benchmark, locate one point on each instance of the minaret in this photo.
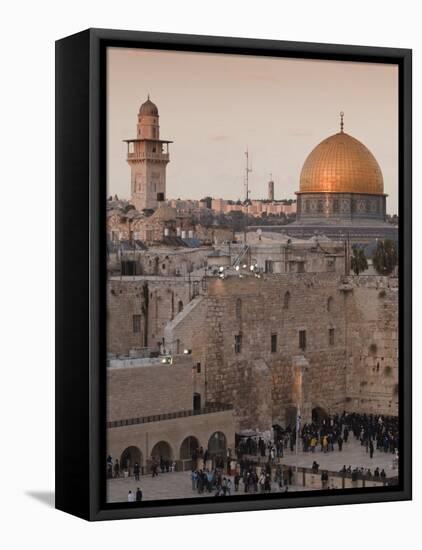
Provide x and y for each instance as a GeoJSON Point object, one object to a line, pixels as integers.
{"type": "Point", "coordinates": [147, 156]}
{"type": "Point", "coordinates": [271, 189]}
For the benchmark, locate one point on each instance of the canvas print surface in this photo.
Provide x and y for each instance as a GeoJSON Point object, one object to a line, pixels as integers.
{"type": "Point", "coordinates": [252, 279]}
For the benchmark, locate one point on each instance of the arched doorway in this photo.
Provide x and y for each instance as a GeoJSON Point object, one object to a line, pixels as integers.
{"type": "Point", "coordinates": [217, 444]}
{"type": "Point", "coordinates": [290, 415]}
{"type": "Point", "coordinates": [319, 414]}
{"type": "Point", "coordinates": [162, 450]}
{"type": "Point", "coordinates": [129, 457]}
{"type": "Point", "coordinates": [189, 444]}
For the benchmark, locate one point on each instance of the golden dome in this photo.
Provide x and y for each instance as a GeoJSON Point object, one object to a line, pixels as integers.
{"type": "Point", "coordinates": [341, 164]}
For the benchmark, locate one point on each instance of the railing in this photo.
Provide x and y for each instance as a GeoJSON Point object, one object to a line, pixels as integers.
{"type": "Point", "coordinates": [217, 407]}
{"type": "Point", "coordinates": [148, 156]}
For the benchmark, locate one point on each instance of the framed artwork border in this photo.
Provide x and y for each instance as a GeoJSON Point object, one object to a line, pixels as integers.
{"type": "Point", "coordinates": [81, 271]}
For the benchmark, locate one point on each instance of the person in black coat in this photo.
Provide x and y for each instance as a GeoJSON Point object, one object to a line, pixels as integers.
{"type": "Point", "coordinates": [138, 494]}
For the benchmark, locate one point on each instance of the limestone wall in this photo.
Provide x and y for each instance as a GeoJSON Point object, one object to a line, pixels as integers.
{"type": "Point", "coordinates": [263, 313]}
{"type": "Point", "coordinates": [372, 371]}
{"type": "Point", "coordinates": [148, 390]}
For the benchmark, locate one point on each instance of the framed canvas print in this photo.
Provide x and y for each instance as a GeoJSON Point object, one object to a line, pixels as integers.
{"type": "Point", "coordinates": [233, 274]}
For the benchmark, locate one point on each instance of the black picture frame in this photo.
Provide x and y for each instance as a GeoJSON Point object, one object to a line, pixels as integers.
{"type": "Point", "coordinates": [81, 273]}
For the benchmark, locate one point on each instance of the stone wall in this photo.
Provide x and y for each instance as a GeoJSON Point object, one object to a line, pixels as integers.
{"type": "Point", "coordinates": [372, 371]}
{"type": "Point", "coordinates": [155, 299]}
{"type": "Point", "coordinates": [257, 309]}
{"type": "Point", "coordinates": [351, 327]}
{"type": "Point", "coordinates": [149, 390]}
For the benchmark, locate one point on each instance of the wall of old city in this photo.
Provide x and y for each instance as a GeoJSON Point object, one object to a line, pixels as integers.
{"type": "Point", "coordinates": [372, 320]}
{"type": "Point", "coordinates": [259, 310]}
{"type": "Point", "coordinates": [351, 344]}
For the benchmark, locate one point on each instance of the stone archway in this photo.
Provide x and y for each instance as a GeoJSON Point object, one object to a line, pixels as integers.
{"type": "Point", "coordinates": [290, 416]}
{"type": "Point", "coordinates": [189, 444]}
{"type": "Point", "coordinates": [217, 444]}
{"type": "Point", "coordinates": [162, 450]}
{"type": "Point", "coordinates": [319, 414]}
{"type": "Point", "coordinates": [129, 457]}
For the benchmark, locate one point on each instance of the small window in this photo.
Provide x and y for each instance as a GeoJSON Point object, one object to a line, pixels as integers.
{"type": "Point", "coordinates": [180, 306]}
{"type": "Point", "coordinates": [136, 320]}
{"type": "Point", "coordinates": [331, 336]}
{"type": "Point", "coordinates": [238, 343]}
{"type": "Point", "coordinates": [302, 339]}
{"type": "Point", "coordinates": [196, 401]}
{"type": "Point", "coordinates": [198, 368]}
{"type": "Point", "coordinates": [273, 343]}
{"type": "Point", "coordinates": [329, 303]}
{"type": "Point", "coordinates": [286, 301]}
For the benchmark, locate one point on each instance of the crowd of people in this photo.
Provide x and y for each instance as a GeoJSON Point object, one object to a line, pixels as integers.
{"type": "Point", "coordinates": [326, 434]}
{"type": "Point", "coordinates": [256, 464]}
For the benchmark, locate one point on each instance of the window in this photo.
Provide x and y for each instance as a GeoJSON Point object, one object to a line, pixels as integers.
{"type": "Point", "coordinates": [136, 320]}
{"type": "Point", "coordinates": [331, 336]}
{"type": "Point", "coordinates": [238, 343]}
{"type": "Point", "coordinates": [179, 306]}
{"type": "Point", "coordinates": [198, 368]}
{"type": "Point", "coordinates": [196, 401]}
{"type": "Point", "coordinates": [286, 301]}
{"type": "Point", "coordinates": [273, 343]}
{"type": "Point", "coordinates": [329, 303]}
{"type": "Point", "coordinates": [269, 266]}
{"type": "Point", "coordinates": [302, 339]}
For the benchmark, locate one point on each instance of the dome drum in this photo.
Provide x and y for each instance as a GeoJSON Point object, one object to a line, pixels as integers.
{"type": "Point", "coordinates": [340, 207]}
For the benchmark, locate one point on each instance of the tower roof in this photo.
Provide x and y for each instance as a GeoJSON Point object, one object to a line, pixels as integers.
{"type": "Point", "coordinates": [148, 108]}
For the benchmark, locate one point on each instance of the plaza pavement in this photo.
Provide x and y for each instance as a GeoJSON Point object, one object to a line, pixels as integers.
{"type": "Point", "coordinates": [178, 484]}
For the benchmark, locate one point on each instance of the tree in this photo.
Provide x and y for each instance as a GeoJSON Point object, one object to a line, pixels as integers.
{"type": "Point", "coordinates": [385, 257]}
{"type": "Point", "coordinates": [358, 260]}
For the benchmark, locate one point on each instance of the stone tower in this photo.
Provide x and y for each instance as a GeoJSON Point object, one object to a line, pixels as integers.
{"type": "Point", "coordinates": [271, 190]}
{"type": "Point", "coordinates": [147, 156]}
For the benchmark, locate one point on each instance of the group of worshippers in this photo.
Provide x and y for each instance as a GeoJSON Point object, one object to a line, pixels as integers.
{"type": "Point", "coordinates": [326, 434]}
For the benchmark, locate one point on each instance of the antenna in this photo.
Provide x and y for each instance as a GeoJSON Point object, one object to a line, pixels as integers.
{"type": "Point", "coordinates": [248, 169]}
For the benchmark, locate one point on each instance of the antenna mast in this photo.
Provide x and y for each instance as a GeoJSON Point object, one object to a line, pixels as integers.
{"type": "Point", "coordinates": [247, 170]}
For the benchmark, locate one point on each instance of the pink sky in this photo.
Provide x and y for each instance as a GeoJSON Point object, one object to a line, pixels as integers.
{"type": "Point", "coordinates": [214, 106]}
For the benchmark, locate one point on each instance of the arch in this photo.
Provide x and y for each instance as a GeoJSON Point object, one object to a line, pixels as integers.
{"type": "Point", "coordinates": [179, 306]}
{"type": "Point", "coordinates": [162, 449]}
{"type": "Point", "coordinates": [129, 457]}
{"type": "Point", "coordinates": [319, 414]}
{"type": "Point", "coordinates": [290, 416]}
{"type": "Point", "coordinates": [286, 300]}
{"type": "Point", "coordinates": [217, 444]}
{"type": "Point", "coordinates": [238, 308]}
{"type": "Point", "coordinates": [330, 302]}
{"type": "Point", "coordinates": [188, 446]}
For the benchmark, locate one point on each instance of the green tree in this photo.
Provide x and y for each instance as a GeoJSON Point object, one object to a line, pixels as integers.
{"type": "Point", "coordinates": [385, 257]}
{"type": "Point", "coordinates": [358, 261]}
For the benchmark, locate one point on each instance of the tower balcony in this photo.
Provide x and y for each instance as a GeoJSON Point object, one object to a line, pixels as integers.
{"type": "Point", "coordinates": [163, 157]}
